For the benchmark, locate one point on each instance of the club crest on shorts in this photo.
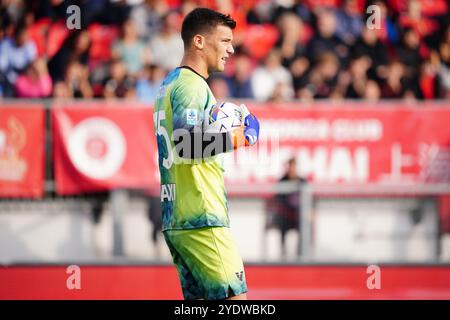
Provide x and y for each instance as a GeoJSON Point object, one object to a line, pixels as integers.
{"type": "Point", "coordinates": [240, 275]}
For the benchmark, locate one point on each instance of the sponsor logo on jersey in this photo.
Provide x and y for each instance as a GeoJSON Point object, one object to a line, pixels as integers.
{"type": "Point", "coordinates": [168, 192]}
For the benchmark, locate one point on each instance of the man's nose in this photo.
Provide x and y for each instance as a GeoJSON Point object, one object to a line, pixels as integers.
{"type": "Point", "coordinates": [230, 49]}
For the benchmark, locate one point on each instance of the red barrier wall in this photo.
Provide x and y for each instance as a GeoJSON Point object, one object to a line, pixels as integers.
{"type": "Point", "coordinates": [284, 282]}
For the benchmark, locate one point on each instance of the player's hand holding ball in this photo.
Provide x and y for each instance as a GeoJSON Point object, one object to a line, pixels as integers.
{"type": "Point", "coordinates": [251, 124]}
{"type": "Point", "coordinates": [241, 125]}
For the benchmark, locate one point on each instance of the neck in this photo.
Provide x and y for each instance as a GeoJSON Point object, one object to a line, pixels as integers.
{"type": "Point", "coordinates": [195, 62]}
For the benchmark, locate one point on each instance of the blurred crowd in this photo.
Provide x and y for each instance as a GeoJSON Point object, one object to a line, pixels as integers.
{"type": "Point", "coordinates": [284, 49]}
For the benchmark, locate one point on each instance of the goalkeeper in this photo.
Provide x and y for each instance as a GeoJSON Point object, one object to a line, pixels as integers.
{"type": "Point", "coordinates": [193, 196]}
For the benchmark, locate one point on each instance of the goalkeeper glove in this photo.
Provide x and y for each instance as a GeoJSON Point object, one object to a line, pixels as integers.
{"type": "Point", "coordinates": [248, 134]}
{"type": "Point", "coordinates": [251, 131]}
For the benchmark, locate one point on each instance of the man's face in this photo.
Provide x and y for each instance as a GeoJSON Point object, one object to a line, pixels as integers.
{"type": "Point", "coordinates": [218, 48]}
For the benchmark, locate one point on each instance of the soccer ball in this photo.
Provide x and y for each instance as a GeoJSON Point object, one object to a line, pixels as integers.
{"type": "Point", "coordinates": [223, 117]}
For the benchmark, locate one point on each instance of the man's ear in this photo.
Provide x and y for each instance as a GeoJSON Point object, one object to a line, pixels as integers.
{"type": "Point", "coordinates": [199, 41]}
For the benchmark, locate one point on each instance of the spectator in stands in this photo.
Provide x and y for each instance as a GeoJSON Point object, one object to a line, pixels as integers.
{"type": "Point", "coordinates": [286, 206]}
{"type": "Point", "coordinates": [35, 82]}
{"type": "Point", "coordinates": [119, 84]}
{"type": "Point", "coordinates": [167, 46]}
{"type": "Point", "coordinates": [147, 85]}
{"type": "Point", "coordinates": [53, 9]}
{"type": "Point", "coordinates": [16, 54]}
{"type": "Point", "coordinates": [147, 17]}
{"type": "Point", "coordinates": [239, 82]}
{"type": "Point", "coordinates": [290, 27]}
{"type": "Point", "coordinates": [358, 77]}
{"type": "Point", "coordinates": [408, 52]}
{"type": "Point", "coordinates": [237, 9]}
{"type": "Point", "coordinates": [132, 51]}
{"type": "Point", "coordinates": [95, 11]}
{"type": "Point", "coordinates": [429, 81]}
{"type": "Point", "coordinates": [61, 91]}
{"type": "Point", "coordinates": [388, 31]}
{"type": "Point", "coordinates": [12, 10]}
{"type": "Point", "coordinates": [113, 12]}
{"type": "Point", "coordinates": [350, 23]}
{"type": "Point", "coordinates": [337, 24]}
{"type": "Point", "coordinates": [323, 78]}
{"type": "Point", "coordinates": [393, 76]}
{"type": "Point", "coordinates": [77, 80]}
{"type": "Point", "coordinates": [444, 65]}
{"type": "Point", "coordinates": [265, 78]}
{"type": "Point", "coordinates": [299, 8]}
{"type": "Point", "coordinates": [261, 12]}
{"type": "Point", "coordinates": [5, 21]}
{"type": "Point", "coordinates": [318, 4]}
{"type": "Point", "coordinates": [299, 69]}
{"type": "Point", "coordinates": [414, 19]}
{"type": "Point", "coordinates": [369, 45]}
{"type": "Point", "coordinates": [187, 6]}
{"type": "Point", "coordinates": [3, 86]}
{"type": "Point", "coordinates": [277, 94]}
{"type": "Point", "coordinates": [325, 39]}
{"type": "Point", "coordinates": [372, 91]}
{"type": "Point", "coordinates": [76, 47]}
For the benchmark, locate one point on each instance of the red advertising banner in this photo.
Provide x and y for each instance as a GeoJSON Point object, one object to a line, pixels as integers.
{"type": "Point", "coordinates": [22, 150]}
{"type": "Point", "coordinates": [98, 146]}
{"type": "Point", "coordinates": [354, 143]}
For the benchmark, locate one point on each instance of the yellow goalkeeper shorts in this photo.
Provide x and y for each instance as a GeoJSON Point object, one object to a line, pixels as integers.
{"type": "Point", "coordinates": [208, 263]}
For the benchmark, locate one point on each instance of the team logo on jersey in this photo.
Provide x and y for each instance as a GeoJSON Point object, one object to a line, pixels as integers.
{"type": "Point", "coordinates": [240, 275]}
{"type": "Point", "coordinates": [191, 117]}
{"type": "Point", "coordinates": [162, 92]}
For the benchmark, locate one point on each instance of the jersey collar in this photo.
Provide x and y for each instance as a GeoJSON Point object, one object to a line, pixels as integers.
{"type": "Point", "coordinates": [189, 68]}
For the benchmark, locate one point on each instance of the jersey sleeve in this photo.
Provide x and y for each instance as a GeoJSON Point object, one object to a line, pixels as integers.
{"type": "Point", "coordinates": [189, 101]}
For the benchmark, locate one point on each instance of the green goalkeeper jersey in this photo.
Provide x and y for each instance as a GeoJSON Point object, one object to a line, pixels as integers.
{"type": "Point", "coordinates": [192, 192]}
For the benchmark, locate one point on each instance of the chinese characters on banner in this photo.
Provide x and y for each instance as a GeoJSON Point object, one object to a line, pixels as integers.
{"type": "Point", "coordinates": [389, 144]}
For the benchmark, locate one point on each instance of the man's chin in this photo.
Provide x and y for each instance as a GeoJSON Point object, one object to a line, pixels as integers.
{"type": "Point", "coordinates": [221, 67]}
{"type": "Point", "coordinates": [217, 69]}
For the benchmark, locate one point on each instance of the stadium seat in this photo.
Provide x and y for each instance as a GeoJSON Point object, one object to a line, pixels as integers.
{"type": "Point", "coordinates": [323, 3]}
{"type": "Point", "coordinates": [38, 33]}
{"type": "Point", "coordinates": [57, 33]}
{"type": "Point", "coordinates": [102, 37]}
{"type": "Point", "coordinates": [429, 7]}
{"type": "Point", "coordinates": [259, 39]}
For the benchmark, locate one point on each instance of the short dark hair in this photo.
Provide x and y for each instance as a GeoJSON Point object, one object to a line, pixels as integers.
{"type": "Point", "coordinates": [203, 20]}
